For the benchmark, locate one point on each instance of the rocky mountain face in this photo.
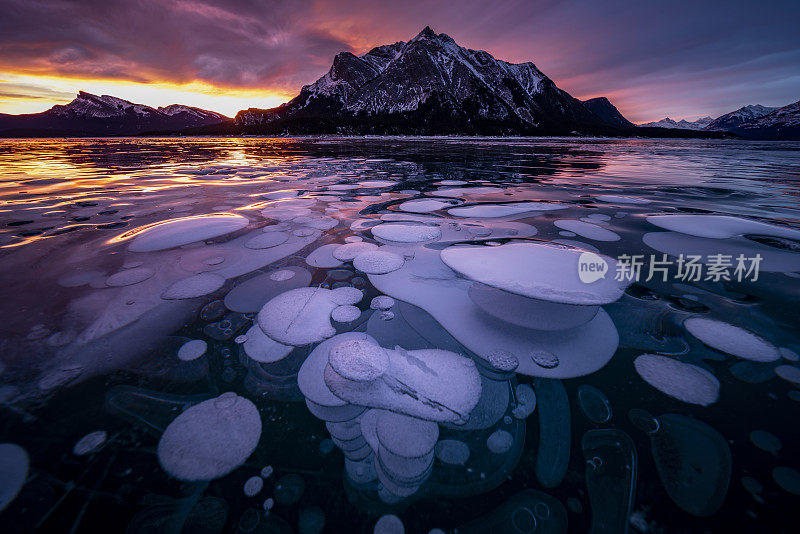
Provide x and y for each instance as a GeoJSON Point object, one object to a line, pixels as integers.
{"type": "Point", "coordinates": [780, 124]}
{"type": "Point", "coordinates": [90, 114]}
{"type": "Point", "coordinates": [604, 109]}
{"type": "Point", "coordinates": [428, 85]}
{"type": "Point", "coordinates": [734, 119]}
{"type": "Point", "coordinates": [699, 124]}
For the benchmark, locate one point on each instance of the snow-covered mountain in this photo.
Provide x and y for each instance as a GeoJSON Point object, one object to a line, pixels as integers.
{"type": "Point", "coordinates": [429, 84]}
{"type": "Point", "coordinates": [90, 114]}
{"type": "Point", "coordinates": [699, 124]}
{"type": "Point", "coordinates": [734, 119]}
{"type": "Point", "coordinates": [782, 123]}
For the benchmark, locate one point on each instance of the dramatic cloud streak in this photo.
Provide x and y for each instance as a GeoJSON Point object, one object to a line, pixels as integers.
{"type": "Point", "coordinates": [652, 58]}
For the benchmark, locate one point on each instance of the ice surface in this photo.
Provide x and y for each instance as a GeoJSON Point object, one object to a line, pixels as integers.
{"type": "Point", "coordinates": [14, 463]}
{"type": "Point", "coordinates": [177, 232]}
{"type": "Point", "coordinates": [251, 295]}
{"type": "Point", "coordinates": [719, 226]}
{"type": "Point", "coordinates": [406, 233]}
{"type": "Point", "coordinates": [615, 199]}
{"type": "Point", "coordinates": [262, 348]}
{"type": "Point", "coordinates": [732, 339]}
{"type": "Point", "coordinates": [535, 270]}
{"type": "Point", "coordinates": [378, 262]}
{"type": "Point", "coordinates": [289, 489]}
{"type": "Point", "coordinates": [526, 512]}
{"type": "Point", "coordinates": [210, 439]}
{"type": "Point", "coordinates": [587, 230]}
{"type": "Point", "coordinates": [682, 381]}
{"type": "Point", "coordinates": [197, 285]}
{"type": "Point", "coordinates": [90, 443]}
{"type": "Point", "coordinates": [191, 350]}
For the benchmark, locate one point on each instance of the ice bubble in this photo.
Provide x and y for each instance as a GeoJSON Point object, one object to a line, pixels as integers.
{"type": "Point", "coordinates": [616, 199]}
{"type": "Point", "coordinates": [267, 472]}
{"type": "Point", "coordinates": [386, 315]}
{"type": "Point", "coordinates": [381, 302]}
{"type": "Point", "coordinates": [376, 183]}
{"type": "Point", "coordinates": [345, 314]}
{"type": "Point", "coordinates": [196, 285]}
{"type": "Point", "coordinates": [210, 439]}
{"type": "Point", "coordinates": [353, 239]}
{"type": "Point", "coordinates": [405, 436]}
{"type": "Point", "coordinates": [269, 504]}
{"type": "Point", "coordinates": [693, 462]}
{"type": "Point", "coordinates": [452, 182]}
{"type": "Point", "coordinates": [500, 442]}
{"type": "Point", "coordinates": [90, 443]}
{"type": "Point", "coordinates": [752, 485]}
{"type": "Point", "coordinates": [343, 187]}
{"type": "Point", "coordinates": [431, 384]}
{"type": "Point", "coordinates": [644, 421]}
{"type": "Point", "coordinates": [503, 210]}
{"type": "Point", "coordinates": [452, 451]}
{"type": "Point", "coordinates": [191, 350]}
{"type": "Point", "coordinates": [304, 232]}
{"type": "Point", "coordinates": [262, 348]}
{"type": "Point", "coordinates": [289, 489]}
{"type": "Point", "coordinates": [788, 373]}
{"type": "Point", "coordinates": [253, 486]}
{"type": "Point", "coordinates": [599, 216]}
{"type": "Point", "coordinates": [682, 381]}
{"type": "Point", "coordinates": [765, 441]}
{"type": "Point", "coordinates": [406, 233]}
{"type": "Point", "coordinates": [349, 251]}
{"type": "Point", "coordinates": [346, 295]}
{"type": "Point", "coordinates": [282, 275]}
{"type": "Point", "coordinates": [177, 232]}
{"type": "Point", "coordinates": [528, 312]}
{"type": "Point", "coordinates": [389, 524]}
{"type": "Point", "coordinates": [539, 271]}
{"type": "Point", "coordinates": [267, 240]}
{"type": "Point", "coordinates": [378, 262]}
{"type": "Point", "coordinates": [731, 339]}
{"type": "Point", "coordinates": [502, 360]}
{"type": "Point", "coordinates": [312, 521]}
{"type": "Point", "coordinates": [753, 372]}
{"type": "Point", "coordinates": [320, 222]}
{"type": "Point", "coordinates": [611, 467]}
{"type": "Point", "coordinates": [787, 478]}
{"type": "Point", "coordinates": [719, 226]}
{"type": "Point", "coordinates": [285, 214]}
{"type": "Point", "coordinates": [128, 277]}
{"type": "Point", "coordinates": [251, 295]}
{"type": "Point", "coordinates": [789, 354]}
{"type": "Point", "coordinates": [554, 431]}
{"type": "Point", "coordinates": [14, 464]}
{"type": "Point", "coordinates": [544, 359]}
{"type": "Point", "coordinates": [299, 316]}
{"type": "Point", "coordinates": [358, 359]}
{"type": "Point", "coordinates": [587, 230]}
{"type": "Point", "coordinates": [423, 205]}
{"type": "Point", "coordinates": [594, 404]}
{"type": "Point", "coordinates": [526, 401]}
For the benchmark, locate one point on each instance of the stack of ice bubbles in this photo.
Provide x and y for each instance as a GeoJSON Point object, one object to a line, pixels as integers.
{"type": "Point", "coordinates": [382, 406]}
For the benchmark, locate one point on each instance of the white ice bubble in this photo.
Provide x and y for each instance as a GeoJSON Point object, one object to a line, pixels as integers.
{"type": "Point", "coordinates": [210, 439]}
{"type": "Point", "coordinates": [266, 240]}
{"type": "Point", "coordinates": [349, 251]}
{"type": "Point", "coordinates": [262, 348]}
{"type": "Point", "coordinates": [197, 285]}
{"type": "Point", "coordinates": [452, 451]}
{"type": "Point", "coordinates": [381, 302]}
{"type": "Point", "coordinates": [766, 441]}
{"type": "Point", "coordinates": [378, 262]}
{"type": "Point", "coordinates": [90, 443]}
{"type": "Point", "coordinates": [346, 295]}
{"type": "Point", "coordinates": [788, 373]}
{"type": "Point", "coordinates": [789, 354]}
{"type": "Point", "coordinates": [719, 226]}
{"type": "Point", "coordinates": [358, 359]}
{"type": "Point", "coordinates": [128, 277]}
{"type": "Point", "coordinates": [177, 232]}
{"type": "Point", "coordinates": [253, 486]}
{"type": "Point", "coordinates": [406, 233]}
{"type": "Point", "coordinates": [732, 339]}
{"type": "Point", "coordinates": [191, 350]}
{"type": "Point", "coordinates": [683, 381]}
{"type": "Point", "coordinates": [323, 256]}
{"type": "Point", "coordinates": [587, 230]}
{"type": "Point", "coordinates": [299, 316]}
{"type": "Point", "coordinates": [345, 314]}
{"type": "Point", "coordinates": [424, 205]}
{"type": "Point", "coordinates": [389, 524]}
{"type": "Point", "coordinates": [282, 275]}
{"type": "Point", "coordinates": [500, 442]}
{"type": "Point", "coordinates": [504, 210]}
{"type": "Point", "coordinates": [526, 401]}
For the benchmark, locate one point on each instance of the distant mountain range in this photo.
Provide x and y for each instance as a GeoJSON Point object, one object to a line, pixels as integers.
{"type": "Point", "coordinates": [89, 114]}
{"type": "Point", "coordinates": [428, 85]}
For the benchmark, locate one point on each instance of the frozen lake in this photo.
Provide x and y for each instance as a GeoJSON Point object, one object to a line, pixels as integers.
{"type": "Point", "coordinates": [291, 335]}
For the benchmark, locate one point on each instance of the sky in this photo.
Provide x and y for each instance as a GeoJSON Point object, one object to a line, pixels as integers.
{"type": "Point", "coordinates": [652, 58]}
